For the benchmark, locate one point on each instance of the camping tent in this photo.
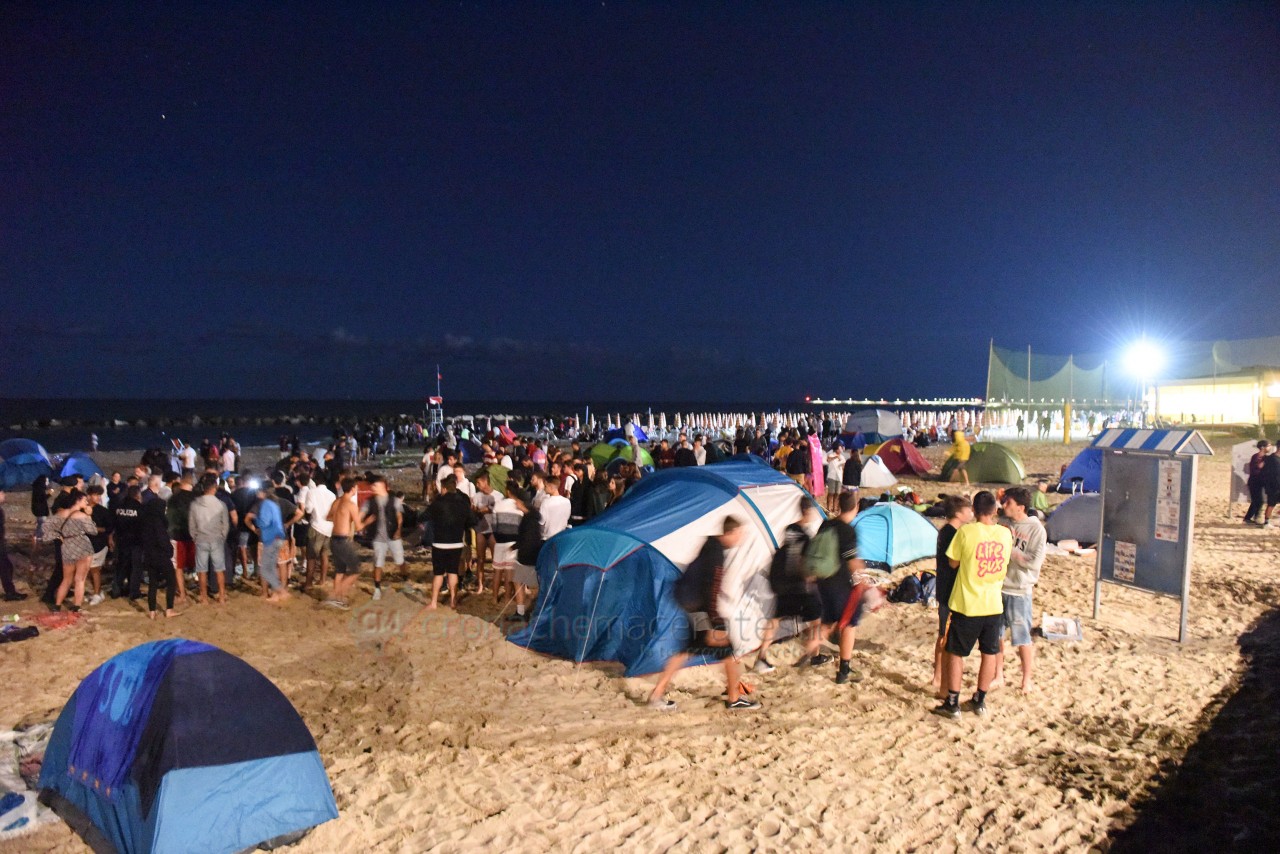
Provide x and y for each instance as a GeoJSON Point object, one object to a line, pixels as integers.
{"type": "Point", "coordinates": [21, 462]}
{"type": "Point", "coordinates": [80, 464]}
{"type": "Point", "coordinates": [1078, 518]}
{"type": "Point", "coordinates": [901, 457]}
{"type": "Point", "coordinates": [603, 453]}
{"type": "Point", "coordinates": [621, 433]}
{"type": "Point", "coordinates": [177, 746]}
{"type": "Point", "coordinates": [606, 586]}
{"type": "Point", "coordinates": [497, 477]}
{"type": "Point", "coordinates": [470, 451]}
{"type": "Point", "coordinates": [890, 535]}
{"type": "Point", "coordinates": [876, 425]}
{"type": "Point", "coordinates": [990, 462]}
{"type": "Point", "coordinates": [875, 475]}
{"type": "Point", "coordinates": [1088, 467]}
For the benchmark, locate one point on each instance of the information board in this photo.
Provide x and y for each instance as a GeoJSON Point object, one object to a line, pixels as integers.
{"type": "Point", "coordinates": [1146, 521]}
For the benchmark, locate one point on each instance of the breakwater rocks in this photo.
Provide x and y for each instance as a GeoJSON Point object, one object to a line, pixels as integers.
{"type": "Point", "coordinates": [212, 423]}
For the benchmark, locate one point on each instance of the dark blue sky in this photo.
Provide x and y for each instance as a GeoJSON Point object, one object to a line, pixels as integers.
{"type": "Point", "coordinates": [604, 201]}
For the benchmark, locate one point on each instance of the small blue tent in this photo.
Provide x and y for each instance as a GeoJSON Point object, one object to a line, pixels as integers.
{"type": "Point", "coordinates": [80, 464]}
{"type": "Point", "coordinates": [1088, 467]}
{"type": "Point", "coordinates": [890, 535]}
{"type": "Point", "coordinates": [21, 462]}
{"type": "Point", "coordinates": [606, 586]}
{"type": "Point", "coordinates": [177, 746]}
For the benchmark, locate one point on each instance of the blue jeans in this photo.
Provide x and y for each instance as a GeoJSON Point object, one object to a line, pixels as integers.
{"type": "Point", "coordinates": [1017, 617]}
{"type": "Point", "coordinates": [267, 568]}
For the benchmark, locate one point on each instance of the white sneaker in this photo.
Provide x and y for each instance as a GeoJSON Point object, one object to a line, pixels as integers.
{"type": "Point", "coordinates": [662, 704]}
{"type": "Point", "coordinates": [763, 666]}
{"type": "Point", "coordinates": [377, 593]}
{"type": "Point", "coordinates": [97, 599]}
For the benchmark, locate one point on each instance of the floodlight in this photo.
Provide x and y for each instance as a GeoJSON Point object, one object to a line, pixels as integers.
{"type": "Point", "coordinates": [1144, 358]}
{"type": "Point", "coordinates": [1273, 390]}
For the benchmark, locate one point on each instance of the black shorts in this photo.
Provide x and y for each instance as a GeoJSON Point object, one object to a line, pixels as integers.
{"type": "Point", "coordinates": [1273, 496]}
{"type": "Point", "coordinates": [807, 606]}
{"type": "Point", "coordinates": [345, 559]}
{"type": "Point", "coordinates": [964, 632]}
{"type": "Point", "coordinates": [445, 561]}
{"type": "Point", "coordinates": [944, 618]}
{"type": "Point", "coordinates": [839, 604]}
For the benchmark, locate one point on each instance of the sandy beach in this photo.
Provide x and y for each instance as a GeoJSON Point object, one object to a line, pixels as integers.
{"type": "Point", "coordinates": [440, 736]}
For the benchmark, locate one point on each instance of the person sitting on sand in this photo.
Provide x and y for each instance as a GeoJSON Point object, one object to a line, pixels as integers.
{"type": "Point", "coordinates": [981, 551]}
{"type": "Point", "coordinates": [958, 511]}
{"type": "Point", "coordinates": [1024, 571]}
{"type": "Point", "coordinates": [709, 568]}
{"type": "Point", "coordinates": [1040, 500]}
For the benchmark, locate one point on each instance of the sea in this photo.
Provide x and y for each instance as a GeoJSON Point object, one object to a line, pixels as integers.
{"type": "Point", "coordinates": [65, 425]}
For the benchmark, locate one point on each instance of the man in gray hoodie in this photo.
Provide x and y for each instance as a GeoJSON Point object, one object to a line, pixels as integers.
{"type": "Point", "coordinates": [1024, 572]}
{"type": "Point", "coordinates": [209, 524]}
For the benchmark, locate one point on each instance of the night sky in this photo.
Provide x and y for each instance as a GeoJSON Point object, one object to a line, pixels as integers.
{"type": "Point", "coordinates": [623, 201]}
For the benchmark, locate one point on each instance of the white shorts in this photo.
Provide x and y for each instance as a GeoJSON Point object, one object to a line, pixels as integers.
{"type": "Point", "coordinates": [380, 549]}
{"type": "Point", "coordinates": [98, 560]}
{"type": "Point", "coordinates": [504, 556]}
{"type": "Point", "coordinates": [526, 575]}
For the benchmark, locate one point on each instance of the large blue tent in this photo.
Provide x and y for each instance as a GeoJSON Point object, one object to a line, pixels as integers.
{"type": "Point", "coordinates": [890, 535]}
{"type": "Point", "coordinates": [606, 586]}
{"type": "Point", "coordinates": [21, 462]}
{"type": "Point", "coordinates": [177, 746]}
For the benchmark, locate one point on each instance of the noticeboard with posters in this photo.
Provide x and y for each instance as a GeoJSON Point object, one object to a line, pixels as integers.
{"type": "Point", "coordinates": [1148, 512]}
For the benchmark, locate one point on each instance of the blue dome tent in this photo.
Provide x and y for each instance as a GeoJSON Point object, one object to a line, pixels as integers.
{"type": "Point", "coordinates": [1088, 467]}
{"type": "Point", "coordinates": [606, 586]}
{"type": "Point", "coordinates": [21, 462]}
{"type": "Point", "coordinates": [890, 535]}
{"type": "Point", "coordinates": [177, 746]}
{"type": "Point", "coordinates": [80, 464]}
{"type": "Point", "coordinates": [470, 451]}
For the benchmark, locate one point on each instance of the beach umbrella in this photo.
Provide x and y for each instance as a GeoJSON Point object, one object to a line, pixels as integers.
{"type": "Point", "coordinates": [21, 462]}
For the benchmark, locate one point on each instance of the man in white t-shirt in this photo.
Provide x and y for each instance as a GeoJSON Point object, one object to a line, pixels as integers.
{"type": "Point", "coordinates": [228, 459]}
{"type": "Point", "coordinates": [188, 457]}
{"type": "Point", "coordinates": [316, 504]}
{"type": "Point", "coordinates": [555, 509]}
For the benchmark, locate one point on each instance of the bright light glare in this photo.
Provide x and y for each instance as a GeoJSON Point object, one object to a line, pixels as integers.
{"type": "Point", "coordinates": [1144, 359]}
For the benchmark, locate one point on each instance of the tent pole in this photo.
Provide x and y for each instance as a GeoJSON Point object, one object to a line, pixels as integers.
{"type": "Point", "coordinates": [582, 653]}
{"type": "Point", "coordinates": [1028, 373]}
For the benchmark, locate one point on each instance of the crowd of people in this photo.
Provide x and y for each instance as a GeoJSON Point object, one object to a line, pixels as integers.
{"type": "Point", "coordinates": [194, 530]}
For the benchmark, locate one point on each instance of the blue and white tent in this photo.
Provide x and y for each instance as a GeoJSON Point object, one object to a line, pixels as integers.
{"type": "Point", "coordinates": [891, 535]}
{"type": "Point", "coordinates": [177, 746]}
{"type": "Point", "coordinates": [606, 586]}
{"type": "Point", "coordinates": [875, 425]}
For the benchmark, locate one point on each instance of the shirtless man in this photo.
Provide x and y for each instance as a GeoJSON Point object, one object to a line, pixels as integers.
{"type": "Point", "coordinates": [345, 516]}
